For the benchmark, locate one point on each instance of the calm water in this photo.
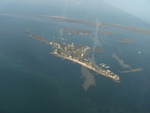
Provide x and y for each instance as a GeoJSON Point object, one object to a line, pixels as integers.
{"type": "Point", "coordinates": [34, 81]}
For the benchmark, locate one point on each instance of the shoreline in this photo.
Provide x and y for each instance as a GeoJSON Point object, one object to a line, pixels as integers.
{"type": "Point", "coordinates": [99, 71]}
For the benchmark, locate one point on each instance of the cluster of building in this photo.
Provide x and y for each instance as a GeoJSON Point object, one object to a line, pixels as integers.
{"type": "Point", "coordinates": [78, 54]}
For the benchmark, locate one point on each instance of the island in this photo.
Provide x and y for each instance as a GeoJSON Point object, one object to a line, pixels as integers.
{"type": "Point", "coordinates": [75, 31]}
{"type": "Point", "coordinates": [77, 54]}
{"type": "Point", "coordinates": [96, 23]}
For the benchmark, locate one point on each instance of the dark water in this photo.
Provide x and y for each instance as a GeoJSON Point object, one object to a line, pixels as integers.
{"type": "Point", "coordinates": [34, 81]}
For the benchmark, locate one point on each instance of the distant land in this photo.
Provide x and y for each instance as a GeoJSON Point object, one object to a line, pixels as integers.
{"type": "Point", "coordinates": [91, 10]}
{"type": "Point", "coordinates": [107, 13]}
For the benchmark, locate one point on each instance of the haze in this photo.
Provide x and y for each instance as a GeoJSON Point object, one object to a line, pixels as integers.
{"type": "Point", "coordinates": [139, 8]}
